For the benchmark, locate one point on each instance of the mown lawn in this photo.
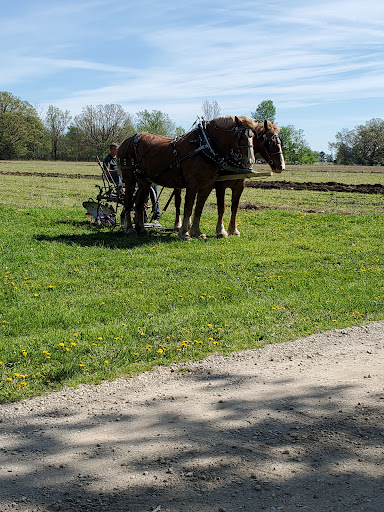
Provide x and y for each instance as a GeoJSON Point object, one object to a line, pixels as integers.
{"type": "Point", "coordinates": [83, 304]}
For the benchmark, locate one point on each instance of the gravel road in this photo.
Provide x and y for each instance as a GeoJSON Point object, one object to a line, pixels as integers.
{"type": "Point", "coordinates": [293, 426]}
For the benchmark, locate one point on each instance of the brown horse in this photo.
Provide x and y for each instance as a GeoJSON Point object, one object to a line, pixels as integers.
{"type": "Point", "coordinates": [192, 161]}
{"type": "Point", "coordinates": [267, 143]}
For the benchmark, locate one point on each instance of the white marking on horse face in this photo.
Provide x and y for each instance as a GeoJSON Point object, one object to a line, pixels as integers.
{"type": "Point", "coordinates": [251, 154]}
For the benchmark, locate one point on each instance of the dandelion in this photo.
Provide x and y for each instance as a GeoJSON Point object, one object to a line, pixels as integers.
{"type": "Point", "coordinates": [210, 325]}
{"type": "Point", "coordinates": [81, 365]}
{"type": "Point", "coordinates": [24, 352]}
{"type": "Point", "coordinates": [61, 344]}
{"type": "Point", "coordinates": [100, 338]}
{"type": "Point", "coordinates": [38, 374]}
{"type": "Point", "coordinates": [106, 361]}
{"type": "Point", "coordinates": [9, 379]}
{"type": "Point", "coordinates": [35, 294]}
{"type": "Point", "coordinates": [16, 374]}
{"type": "Point", "coordinates": [73, 344]}
{"type": "Point", "coordinates": [1, 362]}
{"type": "Point", "coordinates": [160, 351]}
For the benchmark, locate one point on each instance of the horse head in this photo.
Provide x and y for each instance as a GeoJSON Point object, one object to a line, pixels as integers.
{"type": "Point", "coordinates": [235, 137]}
{"type": "Point", "coordinates": [268, 144]}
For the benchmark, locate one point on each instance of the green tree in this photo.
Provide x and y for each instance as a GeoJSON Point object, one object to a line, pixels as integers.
{"type": "Point", "coordinates": [155, 122]}
{"type": "Point", "coordinates": [295, 148]}
{"type": "Point", "coordinates": [102, 125]}
{"type": "Point", "coordinates": [56, 122]}
{"type": "Point", "coordinates": [265, 110]}
{"type": "Point", "coordinates": [74, 146]}
{"type": "Point", "coordinates": [179, 131]}
{"type": "Point", "coordinates": [364, 145]}
{"type": "Point", "coordinates": [22, 134]}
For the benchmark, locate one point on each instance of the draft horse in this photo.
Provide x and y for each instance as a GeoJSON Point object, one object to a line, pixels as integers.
{"type": "Point", "coordinates": [266, 143]}
{"type": "Point", "coordinates": [193, 162]}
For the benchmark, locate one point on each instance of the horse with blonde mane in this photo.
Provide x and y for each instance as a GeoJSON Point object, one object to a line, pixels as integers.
{"type": "Point", "coordinates": [193, 161]}
{"type": "Point", "coordinates": [267, 143]}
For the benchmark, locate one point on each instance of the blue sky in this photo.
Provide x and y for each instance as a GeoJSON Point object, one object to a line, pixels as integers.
{"type": "Point", "coordinates": [320, 62]}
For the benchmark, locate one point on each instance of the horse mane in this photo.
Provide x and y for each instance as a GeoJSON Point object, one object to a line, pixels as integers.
{"type": "Point", "coordinates": [273, 129]}
{"type": "Point", "coordinates": [229, 122]}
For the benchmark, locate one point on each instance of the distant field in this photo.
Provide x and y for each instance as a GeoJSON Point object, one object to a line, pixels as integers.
{"type": "Point", "coordinates": [23, 185]}
{"type": "Point", "coordinates": [316, 173]}
{"type": "Point", "coordinates": [48, 166]}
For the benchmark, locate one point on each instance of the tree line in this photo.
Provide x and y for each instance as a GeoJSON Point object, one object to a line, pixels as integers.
{"type": "Point", "coordinates": [24, 134]}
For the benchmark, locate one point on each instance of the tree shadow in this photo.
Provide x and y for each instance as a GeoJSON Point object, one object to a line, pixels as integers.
{"type": "Point", "coordinates": [146, 449]}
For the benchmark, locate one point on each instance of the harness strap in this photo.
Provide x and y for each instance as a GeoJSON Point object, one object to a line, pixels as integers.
{"type": "Point", "coordinates": [229, 163]}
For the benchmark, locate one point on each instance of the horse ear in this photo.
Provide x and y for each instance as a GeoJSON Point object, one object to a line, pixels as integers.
{"type": "Point", "coordinates": [237, 121]}
{"type": "Point", "coordinates": [265, 125]}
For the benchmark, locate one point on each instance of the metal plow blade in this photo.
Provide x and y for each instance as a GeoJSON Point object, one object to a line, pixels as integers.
{"type": "Point", "coordinates": [102, 214]}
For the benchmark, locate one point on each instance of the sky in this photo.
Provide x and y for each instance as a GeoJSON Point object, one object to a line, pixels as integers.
{"type": "Point", "coordinates": [320, 62]}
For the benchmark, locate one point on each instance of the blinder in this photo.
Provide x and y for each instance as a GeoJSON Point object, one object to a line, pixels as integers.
{"type": "Point", "coordinates": [249, 134]}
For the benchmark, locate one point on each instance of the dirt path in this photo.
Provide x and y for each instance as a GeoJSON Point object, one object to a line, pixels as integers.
{"type": "Point", "coordinates": [295, 426]}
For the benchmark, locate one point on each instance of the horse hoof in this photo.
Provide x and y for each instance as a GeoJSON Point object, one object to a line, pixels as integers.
{"type": "Point", "coordinates": [223, 234]}
{"type": "Point", "coordinates": [184, 236]}
{"type": "Point", "coordinates": [202, 236]}
{"type": "Point", "coordinates": [234, 233]}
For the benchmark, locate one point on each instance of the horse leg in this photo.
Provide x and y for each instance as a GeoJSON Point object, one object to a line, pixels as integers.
{"type": "Point", "coordinates": [141, 196]}
{"type": "Point", "coordinates": [237, 190]}
{"type": "Point", "coordinates": [202, 196]}
{"type": "Point", "coordinates": [190, 197]}
{"type": "Point", "coordinates": [130, 185]}
{"type": "Point", "coordinates": [177, 224]}
{"type": "Point", "coordinates": [220, 200]}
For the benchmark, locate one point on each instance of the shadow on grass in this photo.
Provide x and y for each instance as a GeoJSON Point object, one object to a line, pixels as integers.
{"type": "Point", "coordinates": [279, 450]}
{"type": "Point", "coordinates": [111, 238]}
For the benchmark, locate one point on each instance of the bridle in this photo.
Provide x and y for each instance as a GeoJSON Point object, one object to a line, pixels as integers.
{"type": "Point", "coordinates": [267, 142]}
{"type": "Point", "coordinates": [234, 158]}
{"type": "Point", "coordinates": [248, 132]}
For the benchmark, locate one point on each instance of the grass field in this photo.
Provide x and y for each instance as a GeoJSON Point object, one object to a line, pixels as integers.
{"type": "Point", "coordinates": [83, 304]}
